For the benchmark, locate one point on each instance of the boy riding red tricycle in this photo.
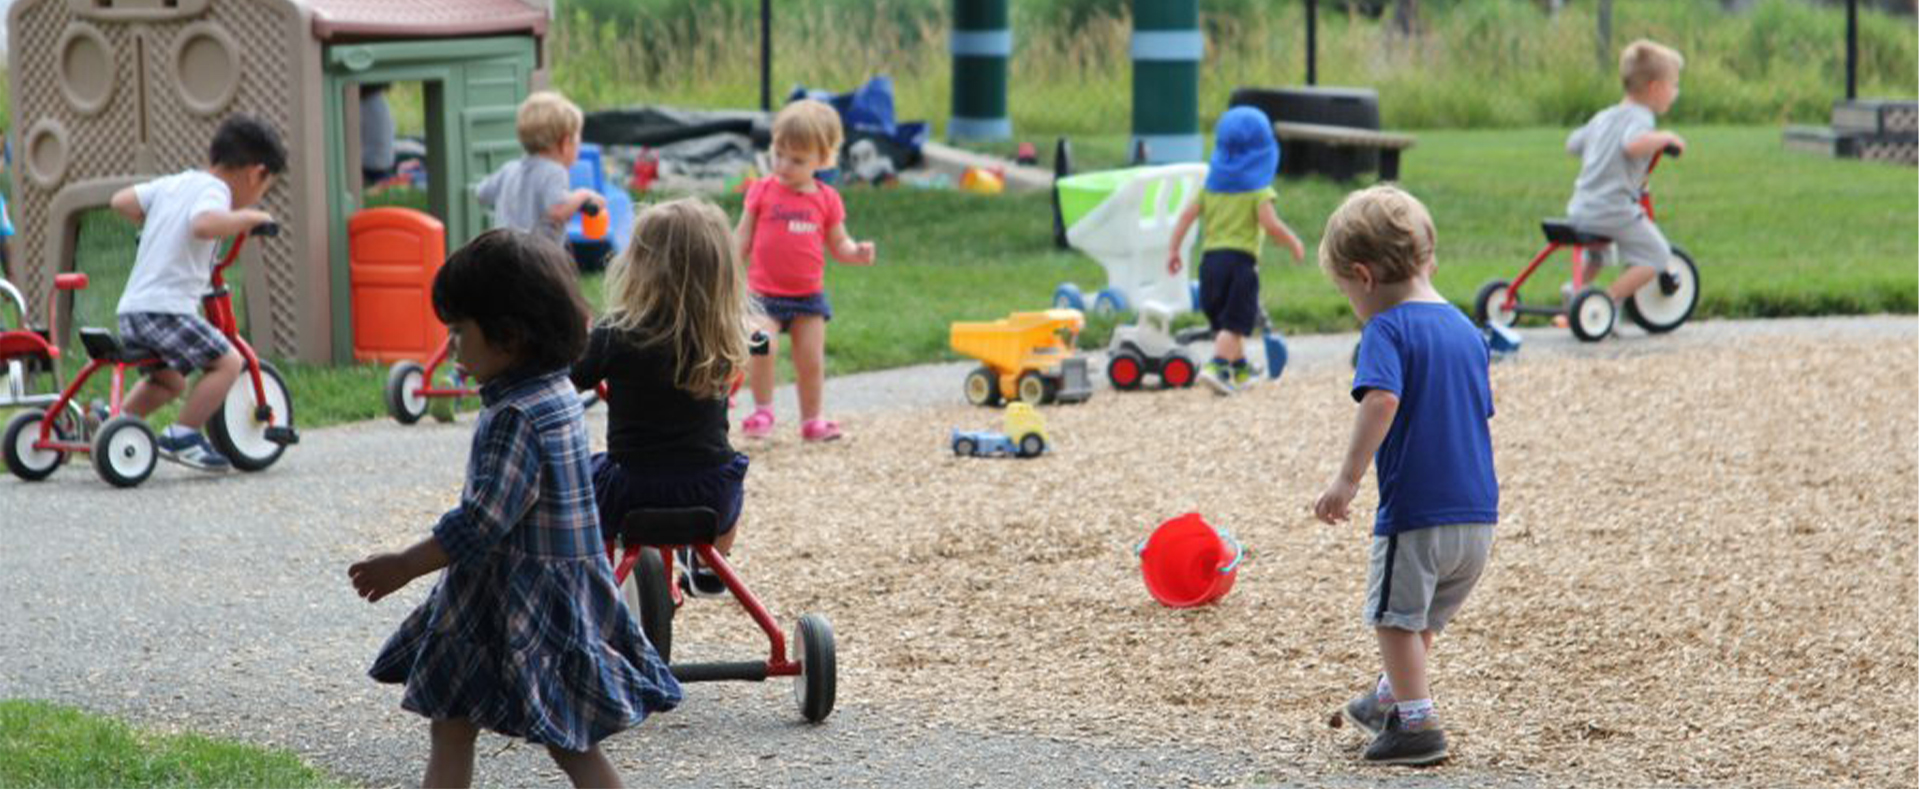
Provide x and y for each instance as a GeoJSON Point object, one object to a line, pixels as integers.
{"type": "Point", "coordinates": [1660, 306]}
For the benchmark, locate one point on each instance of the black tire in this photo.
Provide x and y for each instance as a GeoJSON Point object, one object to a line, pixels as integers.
{"type": "Point", "coordinates": [1591, 314]}
{"type": "Point", "coordinates": [1032, 388]}
{"type": "Point", "coordinates": [1484, 314]}
{"type": "Point", "coordinates": [235, 431]}
{"type": "Point", "coordinates": [1126, 370]}
{"type": "Point", "coordinates": [650, 595]}
{"type": "Point", "coordinates": [982, 387]}
{"type": "Point", "coordinates": [965, 447]}
{"type": "Point", "coordinates": [1031, 446]}
{"type": "Point", "coordinates": [22, 460]}
{"type": "Point", "coordinates": [401, 381]}
{"type": "Point", "coordinates": [1670, 298]}
{"type": "Point", "coordinates": [124, 452]}
{"type": "Point", "coordinates": [814, 688]}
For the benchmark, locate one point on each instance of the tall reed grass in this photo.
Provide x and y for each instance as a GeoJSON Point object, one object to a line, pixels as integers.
{"type": "Point", "coordinates": [1480, 63]}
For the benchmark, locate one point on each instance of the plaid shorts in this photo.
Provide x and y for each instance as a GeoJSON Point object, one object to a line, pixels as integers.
{"type": "Point", "coordinates": [185, 342]}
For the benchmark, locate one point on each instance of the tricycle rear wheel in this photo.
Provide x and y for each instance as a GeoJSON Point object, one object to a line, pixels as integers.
{"type": "Point", "coordinates": [650, 594]}
{"type": "Point", "coordinates": [814, 688]}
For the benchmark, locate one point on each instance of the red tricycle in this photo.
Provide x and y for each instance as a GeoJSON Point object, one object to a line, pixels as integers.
{"type": "Point", "coordinates": [251, 428]}
{"type": "Point", "coordinates": [645, 543]}
{"type": "Point", "coordinates": [1660, 306]}
{"type": "Point", "coordinates": [31, 356]}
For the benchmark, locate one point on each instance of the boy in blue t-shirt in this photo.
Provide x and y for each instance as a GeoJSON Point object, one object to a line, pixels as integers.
{"type": "Point", "coordinates": [1424, 400]}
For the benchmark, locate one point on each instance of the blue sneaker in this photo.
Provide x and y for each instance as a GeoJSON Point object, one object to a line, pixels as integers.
{"type": "Point", "coordinates": [193, 450]}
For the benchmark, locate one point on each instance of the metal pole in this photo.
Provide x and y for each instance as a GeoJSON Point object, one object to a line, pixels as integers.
{"type": "Point", "coordinates": [766, 55]}
{"type": "Point", "coordinates": [982, 43]}
{"type": "Point", "coordinates": [1852, 49]}
{"type": "Point", "coordinates": [1166, 49]}
{"type": "Point", "coordinates": [1312, 42]}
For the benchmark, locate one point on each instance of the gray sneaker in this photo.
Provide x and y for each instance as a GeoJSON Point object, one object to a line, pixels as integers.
{"type": "Point", "coordinates": [1219, 378]}
{"type": "Point", "coordinates": [1366, 713]}
{"type": "Point", "coordinates": [1396, 745]}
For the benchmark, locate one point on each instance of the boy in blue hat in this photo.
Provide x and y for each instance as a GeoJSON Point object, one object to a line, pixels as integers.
{"type": "Point", "coordinates": [1237, 204]}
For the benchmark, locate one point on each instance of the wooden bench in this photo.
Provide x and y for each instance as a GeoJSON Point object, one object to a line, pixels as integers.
{"type": "Point", "coordinates": [1388, 143]}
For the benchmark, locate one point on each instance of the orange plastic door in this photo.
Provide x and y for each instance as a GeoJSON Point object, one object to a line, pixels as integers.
{"type": "Point", "coordinates": [392, 255]}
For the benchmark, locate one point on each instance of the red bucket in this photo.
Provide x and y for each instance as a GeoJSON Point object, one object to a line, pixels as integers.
{"type": "Point", "coordinates": [1187, 562]}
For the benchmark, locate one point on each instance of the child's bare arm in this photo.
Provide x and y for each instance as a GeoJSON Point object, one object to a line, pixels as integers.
{"type": "Point", "coordinates": [565, 209]}
{"type": "Point", "coordinates": [127, 202]}
{"type": "Point", "coordinates": [1650, 143]}
{"type": "Point", "coordinates": [743, 234]}
{"type": "Point", "coordinates": [1186, 220]}
{"type": "Point", "coordinates": [223, 224]}
{"type": "Point", "coordinates": [1375, 418]}
{"type": "Point", "coordinates": [379, 575]}
{"type": "Point", "coordinates": [847, 250]}
{"type": "Point", "coordinates": [1269, 220]}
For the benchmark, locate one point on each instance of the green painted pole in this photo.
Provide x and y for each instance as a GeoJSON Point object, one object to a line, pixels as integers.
{"type": "Point", "coordinates": [981, 44]}
{"type": "Point", "coordinates": [1167, 47]}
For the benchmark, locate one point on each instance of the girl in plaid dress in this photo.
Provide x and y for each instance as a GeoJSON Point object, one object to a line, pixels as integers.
{"type": "Point", "coordinates": [525, 633]}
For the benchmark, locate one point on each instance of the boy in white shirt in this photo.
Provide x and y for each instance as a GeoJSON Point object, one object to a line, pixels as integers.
{"type": "Point", "coordinates": [182, 217]}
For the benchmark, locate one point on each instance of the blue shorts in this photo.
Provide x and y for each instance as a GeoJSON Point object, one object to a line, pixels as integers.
{"type": "Point", "coordinates": [784, 309]}
{"type": "Point", "coordinates": [618, 490]}
{"type": "Point", "coordinates": [1229, 290]}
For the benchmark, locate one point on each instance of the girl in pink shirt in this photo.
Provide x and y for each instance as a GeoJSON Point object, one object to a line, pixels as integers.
{"type": "Point", "coordinates": [790, 220]}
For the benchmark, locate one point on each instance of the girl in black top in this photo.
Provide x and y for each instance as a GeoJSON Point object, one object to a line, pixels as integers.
{"type": "Point", "coordinates": [670, 349]}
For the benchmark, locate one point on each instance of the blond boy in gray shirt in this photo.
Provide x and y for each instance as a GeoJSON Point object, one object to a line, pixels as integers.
{"type": "Point", "coordinates": [1615, 149]}
{"type": "Point", "coordinates": [530, 193]}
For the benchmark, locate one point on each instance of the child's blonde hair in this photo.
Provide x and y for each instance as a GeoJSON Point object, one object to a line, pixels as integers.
{"type": "Point", "coordinates": [546, 121]}
{"type": "Point", "coordinates": [680, 286]}
{"type": "Point", "coordinates": [1383, 227]}
{"type": "Point", "coordinates": [1643, 61]}
{"type": "Point", "coordinates": [809, 126]}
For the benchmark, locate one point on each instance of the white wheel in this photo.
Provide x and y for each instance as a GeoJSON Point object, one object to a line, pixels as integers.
{"type": "Point", "coordinates": [1489, 306]}
{"type": "Point", "coordinates": [123, 451]}
{"type": "Point", "coordinates": [814, 687]}
{"type": "Point", "coordinates": [403, 399]}
{"type": "Point", "coordinates": [1666, 302]}
{"type": "Point", "coordinates": [237, 430]}
{"type": "Point", "coordinates": [22, 459]}
{"type": "Point", "coordinates": [1592, 314]}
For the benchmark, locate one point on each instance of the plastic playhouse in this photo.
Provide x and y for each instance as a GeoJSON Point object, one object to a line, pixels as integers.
{"type": "Point", "coordinates": [110, 93]}
{"type": "Point", "coordinates": [1025, 356]}
{"type": "Point", "coordinates": [1024, 436]}
{"type": "Point", "coordinates": [1124, 219]}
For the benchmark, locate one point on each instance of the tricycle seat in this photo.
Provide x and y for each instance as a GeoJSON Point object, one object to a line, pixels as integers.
{"type": "Point", "coordinates": [103, 346]}
{"type": "Point", "coordinates": [678, 526]}
{"type": "Point", "coordinates": [1561, 231]}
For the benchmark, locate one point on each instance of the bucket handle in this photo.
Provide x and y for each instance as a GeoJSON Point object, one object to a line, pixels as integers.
{"type": "Point", "coordinates": [1239, 550]}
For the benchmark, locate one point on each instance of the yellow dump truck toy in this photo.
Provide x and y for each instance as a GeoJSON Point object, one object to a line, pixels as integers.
{"type": "Point", "coordinates": [1025, 356]}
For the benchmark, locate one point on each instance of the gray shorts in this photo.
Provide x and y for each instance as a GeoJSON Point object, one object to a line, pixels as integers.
{"type": "Point", "coordinates": [1418, 579]}
{"type": "Point", "coordinates": [1639, 243]}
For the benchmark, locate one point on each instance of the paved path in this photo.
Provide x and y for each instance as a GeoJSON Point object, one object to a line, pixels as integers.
{"type": "Point", "coordinates": [221, 606]}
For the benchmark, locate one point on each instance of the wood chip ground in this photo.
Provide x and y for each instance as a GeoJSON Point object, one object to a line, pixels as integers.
{"type": "Point", "coordinates": [1704, 572]}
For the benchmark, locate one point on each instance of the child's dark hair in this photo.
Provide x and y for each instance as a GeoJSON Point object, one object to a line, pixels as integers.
{"type": "Point", "coordinates": [244, 141]}
{"type": "Point", "coordinates": [521, 291]}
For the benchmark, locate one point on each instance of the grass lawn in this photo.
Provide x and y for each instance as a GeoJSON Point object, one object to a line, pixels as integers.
{"type": "Point", "coordinates": [43, 745]}
{"type": "Point", "coordinates": [1774, 232]}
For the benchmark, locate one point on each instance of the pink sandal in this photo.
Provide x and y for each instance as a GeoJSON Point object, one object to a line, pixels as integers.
{"type": "Point", "coordinates": [759, 424]}
{"type": "Point", "coordinates": [819, 430]}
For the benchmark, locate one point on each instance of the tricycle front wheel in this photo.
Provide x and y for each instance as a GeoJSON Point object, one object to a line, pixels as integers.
{"type": "Point", "coordinates": [1666, 302]}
